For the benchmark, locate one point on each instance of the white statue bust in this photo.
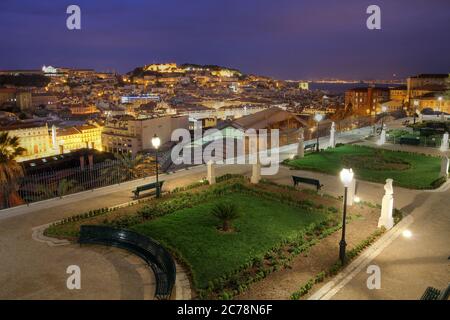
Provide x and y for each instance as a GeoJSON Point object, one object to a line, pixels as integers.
{"type": "Point", "coordinates": [389, 190]}
{"type": "Point", "coordinates": [301, 134]}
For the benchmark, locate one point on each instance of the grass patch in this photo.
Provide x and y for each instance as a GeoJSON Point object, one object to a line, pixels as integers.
{"type": "Point", "coordinates": [409, 170]}
{"type": "Point", "coordinates": [193, 233]}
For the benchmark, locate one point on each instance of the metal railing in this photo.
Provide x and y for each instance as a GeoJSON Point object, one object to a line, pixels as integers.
{"type": "Point", "coordinates": [58, 183]}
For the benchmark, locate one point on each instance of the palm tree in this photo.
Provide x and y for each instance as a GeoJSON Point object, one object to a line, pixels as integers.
{"type": "Point", "coordinates": [226, 212]}
{"type": "Point", "coordinates": [129, 167]}
{"type": "Point", "coordinates": [10, 169]}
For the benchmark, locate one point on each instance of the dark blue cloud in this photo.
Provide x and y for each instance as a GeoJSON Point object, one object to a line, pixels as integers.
{"type": "Point", "coordinates": [281, 38]}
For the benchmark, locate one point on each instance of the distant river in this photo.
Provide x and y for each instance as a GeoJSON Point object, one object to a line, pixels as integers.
{"type": "Point", "coordinates": [338, 88]}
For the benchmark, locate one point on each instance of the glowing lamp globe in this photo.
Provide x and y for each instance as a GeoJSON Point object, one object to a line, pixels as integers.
{"type": "Point", "coordinates": [156, 141]}
{"type": "Point", "coordinates": [346, 177]}
{"type": "Point", "coordinates": [318, 117]}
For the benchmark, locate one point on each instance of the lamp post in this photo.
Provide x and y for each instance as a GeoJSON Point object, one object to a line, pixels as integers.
{"type": "Point", "coordinates": [156, 142]}
{"type": "Point", "coordinates": [346, 176]}
{"type": "Point", "coordinates": [318, 117]}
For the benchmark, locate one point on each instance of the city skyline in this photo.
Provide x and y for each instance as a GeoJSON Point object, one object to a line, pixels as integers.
{"type": "Point", "coordinates": [286, 40]}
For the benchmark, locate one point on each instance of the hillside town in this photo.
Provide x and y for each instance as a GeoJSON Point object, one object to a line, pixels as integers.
{"type": "Point", "coordinates": [58, 110]}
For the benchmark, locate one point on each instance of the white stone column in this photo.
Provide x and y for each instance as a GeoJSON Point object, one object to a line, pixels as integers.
{"type": "Point", "coordinates": [351, 192]}
{"type": "Point", "coordinates": [332, 135]}
{"type": "Point", "coordinates": [301, 144]}
{"type": "Point", "coordinates": [256, 172]}
{"type": "Point", "coordinates": [444, 144]}
{"type": "Point", "coordinates": [382, 139]}
{"type": "Point", "coordinates": [387, 207]}
{"type": "Point", "coordinates": [444, 167]}
{"type": "Point", "coordinates": [211, 176]}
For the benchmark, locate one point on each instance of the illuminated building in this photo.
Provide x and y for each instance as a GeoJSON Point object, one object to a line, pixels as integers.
{"type": "Point", "coordinates": [365, 101]}
{"type": "Point", "coordinates": [432, 101]}
{"type": "Point", "coordinates": [164, 68]}
{"type": "Point", "coordinates": [423, 84]}
{"type": "Point", "coordinates": [78, 137]}
{"type": "Point", "coordinates": [303, 85]}
{"type": "Point", "coordinates": [129, 135]}
{"type": "Point", "coordinates": [398, 94]}
{"type": "Point", "coordinates": [33, 137]}
{"type": "Point", "coordinates": [81, 109]}
{"type": "Point", "coordinates": [20, 98]}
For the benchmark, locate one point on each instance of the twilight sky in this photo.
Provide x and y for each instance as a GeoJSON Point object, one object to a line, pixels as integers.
{"type": "Point", "coordinates": [286, 39]}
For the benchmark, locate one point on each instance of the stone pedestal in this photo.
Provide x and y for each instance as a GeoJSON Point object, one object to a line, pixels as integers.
{"type": "Point", "coordinates": [444, 167]}
{"type": "Point", "coordinates": [444, 144]}
{"type": "Point", "coordinates": [211, 175]}
{"type": "Point", "coordinates": [301, 144]}
{"type": "Point", "coordinates": [332, 135]}
{"type": "Point", "coordinates": [256, 173]}
{"type": "Point", "coordinates": [382, 139]}
{"type": "Point", "coordinates": [351, 192]}
{"type": "Point", "coordinates": [387, 207]}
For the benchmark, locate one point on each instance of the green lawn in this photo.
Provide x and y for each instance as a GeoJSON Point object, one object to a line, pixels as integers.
{"type": "Point", "coordinates": [408, 170]}
{"type": "Point", "coordinates": [192, 233]}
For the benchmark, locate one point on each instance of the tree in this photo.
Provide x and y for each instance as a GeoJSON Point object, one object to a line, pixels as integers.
{"type": "Point", "coordinates": [10, 169]}
{"type": "Point", "coordinates": [226, 212]}
{"type": "Point", "coordinates": [126, 167]}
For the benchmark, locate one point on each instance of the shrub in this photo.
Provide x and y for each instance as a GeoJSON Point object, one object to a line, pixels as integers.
{"type": "Point", "coordinates": [225, 212]}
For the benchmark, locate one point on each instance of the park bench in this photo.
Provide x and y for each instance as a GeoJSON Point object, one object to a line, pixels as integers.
{"type": "Point", "coordinates": [310, 181]}
{"type": "Point", "coordinates": [436, 294]}
{"type": "Point", "coordinates": [310, 147]}
{"type": "Point", "coordinates": [146, 187]}
{"type": "Point", "coordinates": [410, 141]}
{"type": "Point", "coordinates": [159, 260]}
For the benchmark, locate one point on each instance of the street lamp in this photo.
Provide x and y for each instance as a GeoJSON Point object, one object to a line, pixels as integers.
{"type": "Point", "coordinates": [156, 142]}
{"type": "Point", "coordinates": [346, 178]}
{"type": "Point", "coordinates": [318, 117]}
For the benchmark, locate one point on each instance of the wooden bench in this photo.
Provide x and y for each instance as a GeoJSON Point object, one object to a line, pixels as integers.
{"type": "Point", "coordinates": [146, 187]}
{"type": "Point", "coordinates": [155, 255]}
{"type": "Point", "coordinates": [436, 294]}
{"type": "Point", "coordinates": [310, 181]}
{"type": "Point", "coordinates": [311, 147]}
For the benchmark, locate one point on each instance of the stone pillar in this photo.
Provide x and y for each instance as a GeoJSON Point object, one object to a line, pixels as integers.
{"type": "Point", "coordinates": [82, 163]}
{"type": "Point", "coordinates": [211, 176]}
{"type": "Point", "coordinates": [91, 161]}
{"type": "Point", "coordinates": [382, 139]}
{"type": "Point", "coordinates": [351, 192]}
{"type": "Point", "coordinates": [256, 172]}
{"type": "Point", "coordinates": [420, 117]}
{"type": "Point", "coordinates": [332, 135]}
{"type": "Point", "coordinates": [387, 207]}
{"type": "Point", "coordinates": [301, 144]}
{"type": "Point", "coordinates": [444, 145]}
{"type": "Point", "coordinates": [444, 167]}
